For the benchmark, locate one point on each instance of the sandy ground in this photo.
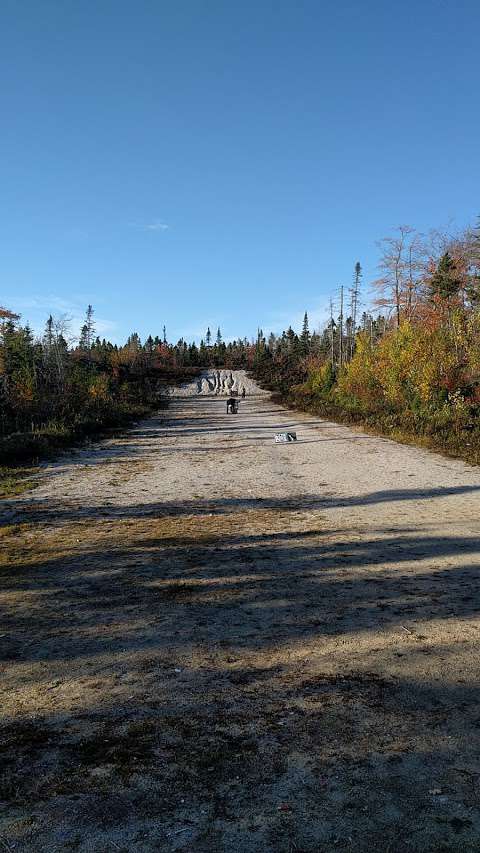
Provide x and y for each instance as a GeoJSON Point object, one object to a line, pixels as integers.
{"type": "Point", "coordinates": [211, 642]}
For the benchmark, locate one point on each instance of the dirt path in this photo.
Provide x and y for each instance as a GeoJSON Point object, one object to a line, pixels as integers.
{"type": "Point", "coordinates": [214, 643]}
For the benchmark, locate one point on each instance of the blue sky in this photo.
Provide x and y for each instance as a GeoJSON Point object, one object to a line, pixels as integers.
{"type": "Point", "coordinates": [226, 163]}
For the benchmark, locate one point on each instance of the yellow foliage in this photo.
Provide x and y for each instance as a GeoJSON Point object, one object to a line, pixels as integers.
{"type": "Point", "coordinates": [320, 377]}
{"type": "Point", "coordinates": [410, 364]}
{"type": "Point", "coordinates": [98, 389]}
{"type": "Point", "coordinates": [359, 378]}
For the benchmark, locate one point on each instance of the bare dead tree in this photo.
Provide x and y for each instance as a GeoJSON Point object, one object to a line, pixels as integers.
{"type": "Point", "coordinates": [403, 262]}
{"type": "Point", "coordinates": [332, 348]}
{"type": "Point", "coordinates": [62, 340]}
{"type": "Point", "coordinates": [56, 341]}
{"type": "Point", "coordinates": [416, 268]}
{"type": "Point", "coordinates": [340, 324]}
{"type": "Point", "coordinates": [354, 299]}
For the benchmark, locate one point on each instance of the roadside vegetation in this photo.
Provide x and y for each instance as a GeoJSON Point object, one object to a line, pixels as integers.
{"type": "Point", "coordinates": [411, 371]}
{"type": "Point", "coordinates": [54, 393]}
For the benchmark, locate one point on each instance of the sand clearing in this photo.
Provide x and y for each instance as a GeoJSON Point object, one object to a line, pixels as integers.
{"type": "Point", "coordinates": [212, 642]}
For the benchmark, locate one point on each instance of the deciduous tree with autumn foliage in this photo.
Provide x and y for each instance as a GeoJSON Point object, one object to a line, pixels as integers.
{"type": "Point", "coordinates": [415, 371]}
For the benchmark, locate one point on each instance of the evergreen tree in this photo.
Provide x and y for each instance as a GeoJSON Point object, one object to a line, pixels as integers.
{"type": "Point", "coordinates": [193, 354]}
{"type": "Point", "coordinates": [445, 283]}
{"type": "Point", "coordinates": [305, 336]}
{"type": "Point", "coordinates": [49, 334]}
{"type": "Point", "coordinates": [134, 342]}
{"type": "Point", "coordinates": [87, 331]}
{"type": "Point", "coordinates": [290, 336]}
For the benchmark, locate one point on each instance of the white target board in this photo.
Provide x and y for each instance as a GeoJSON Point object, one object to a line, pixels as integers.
{"type": "Point", "coordinates": [282, 437]}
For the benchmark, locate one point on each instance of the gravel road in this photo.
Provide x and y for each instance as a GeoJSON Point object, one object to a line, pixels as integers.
{"type": "Point", "coordinates": [212, 642]}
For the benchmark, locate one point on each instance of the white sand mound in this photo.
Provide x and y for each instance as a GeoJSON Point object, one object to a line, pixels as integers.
{"type": "Point", "coordinates": [217, 382]}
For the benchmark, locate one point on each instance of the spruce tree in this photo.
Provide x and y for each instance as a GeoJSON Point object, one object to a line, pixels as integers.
{"type": "Point", "coordinates": [87, 332]}
{"type": "Point", "coordinates": [305, 336]}
{"type": "Point", "coordinates": [445, 282]}
{"type": "Point", "coordinates": [48, 336]}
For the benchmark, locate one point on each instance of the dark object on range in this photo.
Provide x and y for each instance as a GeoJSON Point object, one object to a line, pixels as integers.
{"type": "Point", "coordinates": [232, 406]}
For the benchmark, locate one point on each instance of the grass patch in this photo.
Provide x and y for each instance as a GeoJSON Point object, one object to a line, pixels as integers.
{"type": "Point", "coordinates": [15, 481]}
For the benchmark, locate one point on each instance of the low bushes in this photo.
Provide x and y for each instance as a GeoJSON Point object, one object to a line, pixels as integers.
{"type": "Point", "coordinates": [32, 445]}
{"type": "Point", "coordinates": [415, 384]}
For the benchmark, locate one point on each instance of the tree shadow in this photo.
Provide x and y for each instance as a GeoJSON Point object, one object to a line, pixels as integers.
{"type": "Point", "coordinates": [304, 677]}
{"type": "Point", "coordinates": [40, 507]}
{"type": "Point", "coordinates": [237, 676]}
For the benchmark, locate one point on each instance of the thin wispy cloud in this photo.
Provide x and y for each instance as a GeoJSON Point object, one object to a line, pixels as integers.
{"type": "Point", "coordinates": [157, 225]}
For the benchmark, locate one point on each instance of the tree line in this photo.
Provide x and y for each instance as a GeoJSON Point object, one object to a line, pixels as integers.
{"type": "Point", "coordinates": [413, 349]}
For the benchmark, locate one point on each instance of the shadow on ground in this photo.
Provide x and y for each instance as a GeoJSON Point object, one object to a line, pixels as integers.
{"type": "Point", "coordinates": [245, 679]}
